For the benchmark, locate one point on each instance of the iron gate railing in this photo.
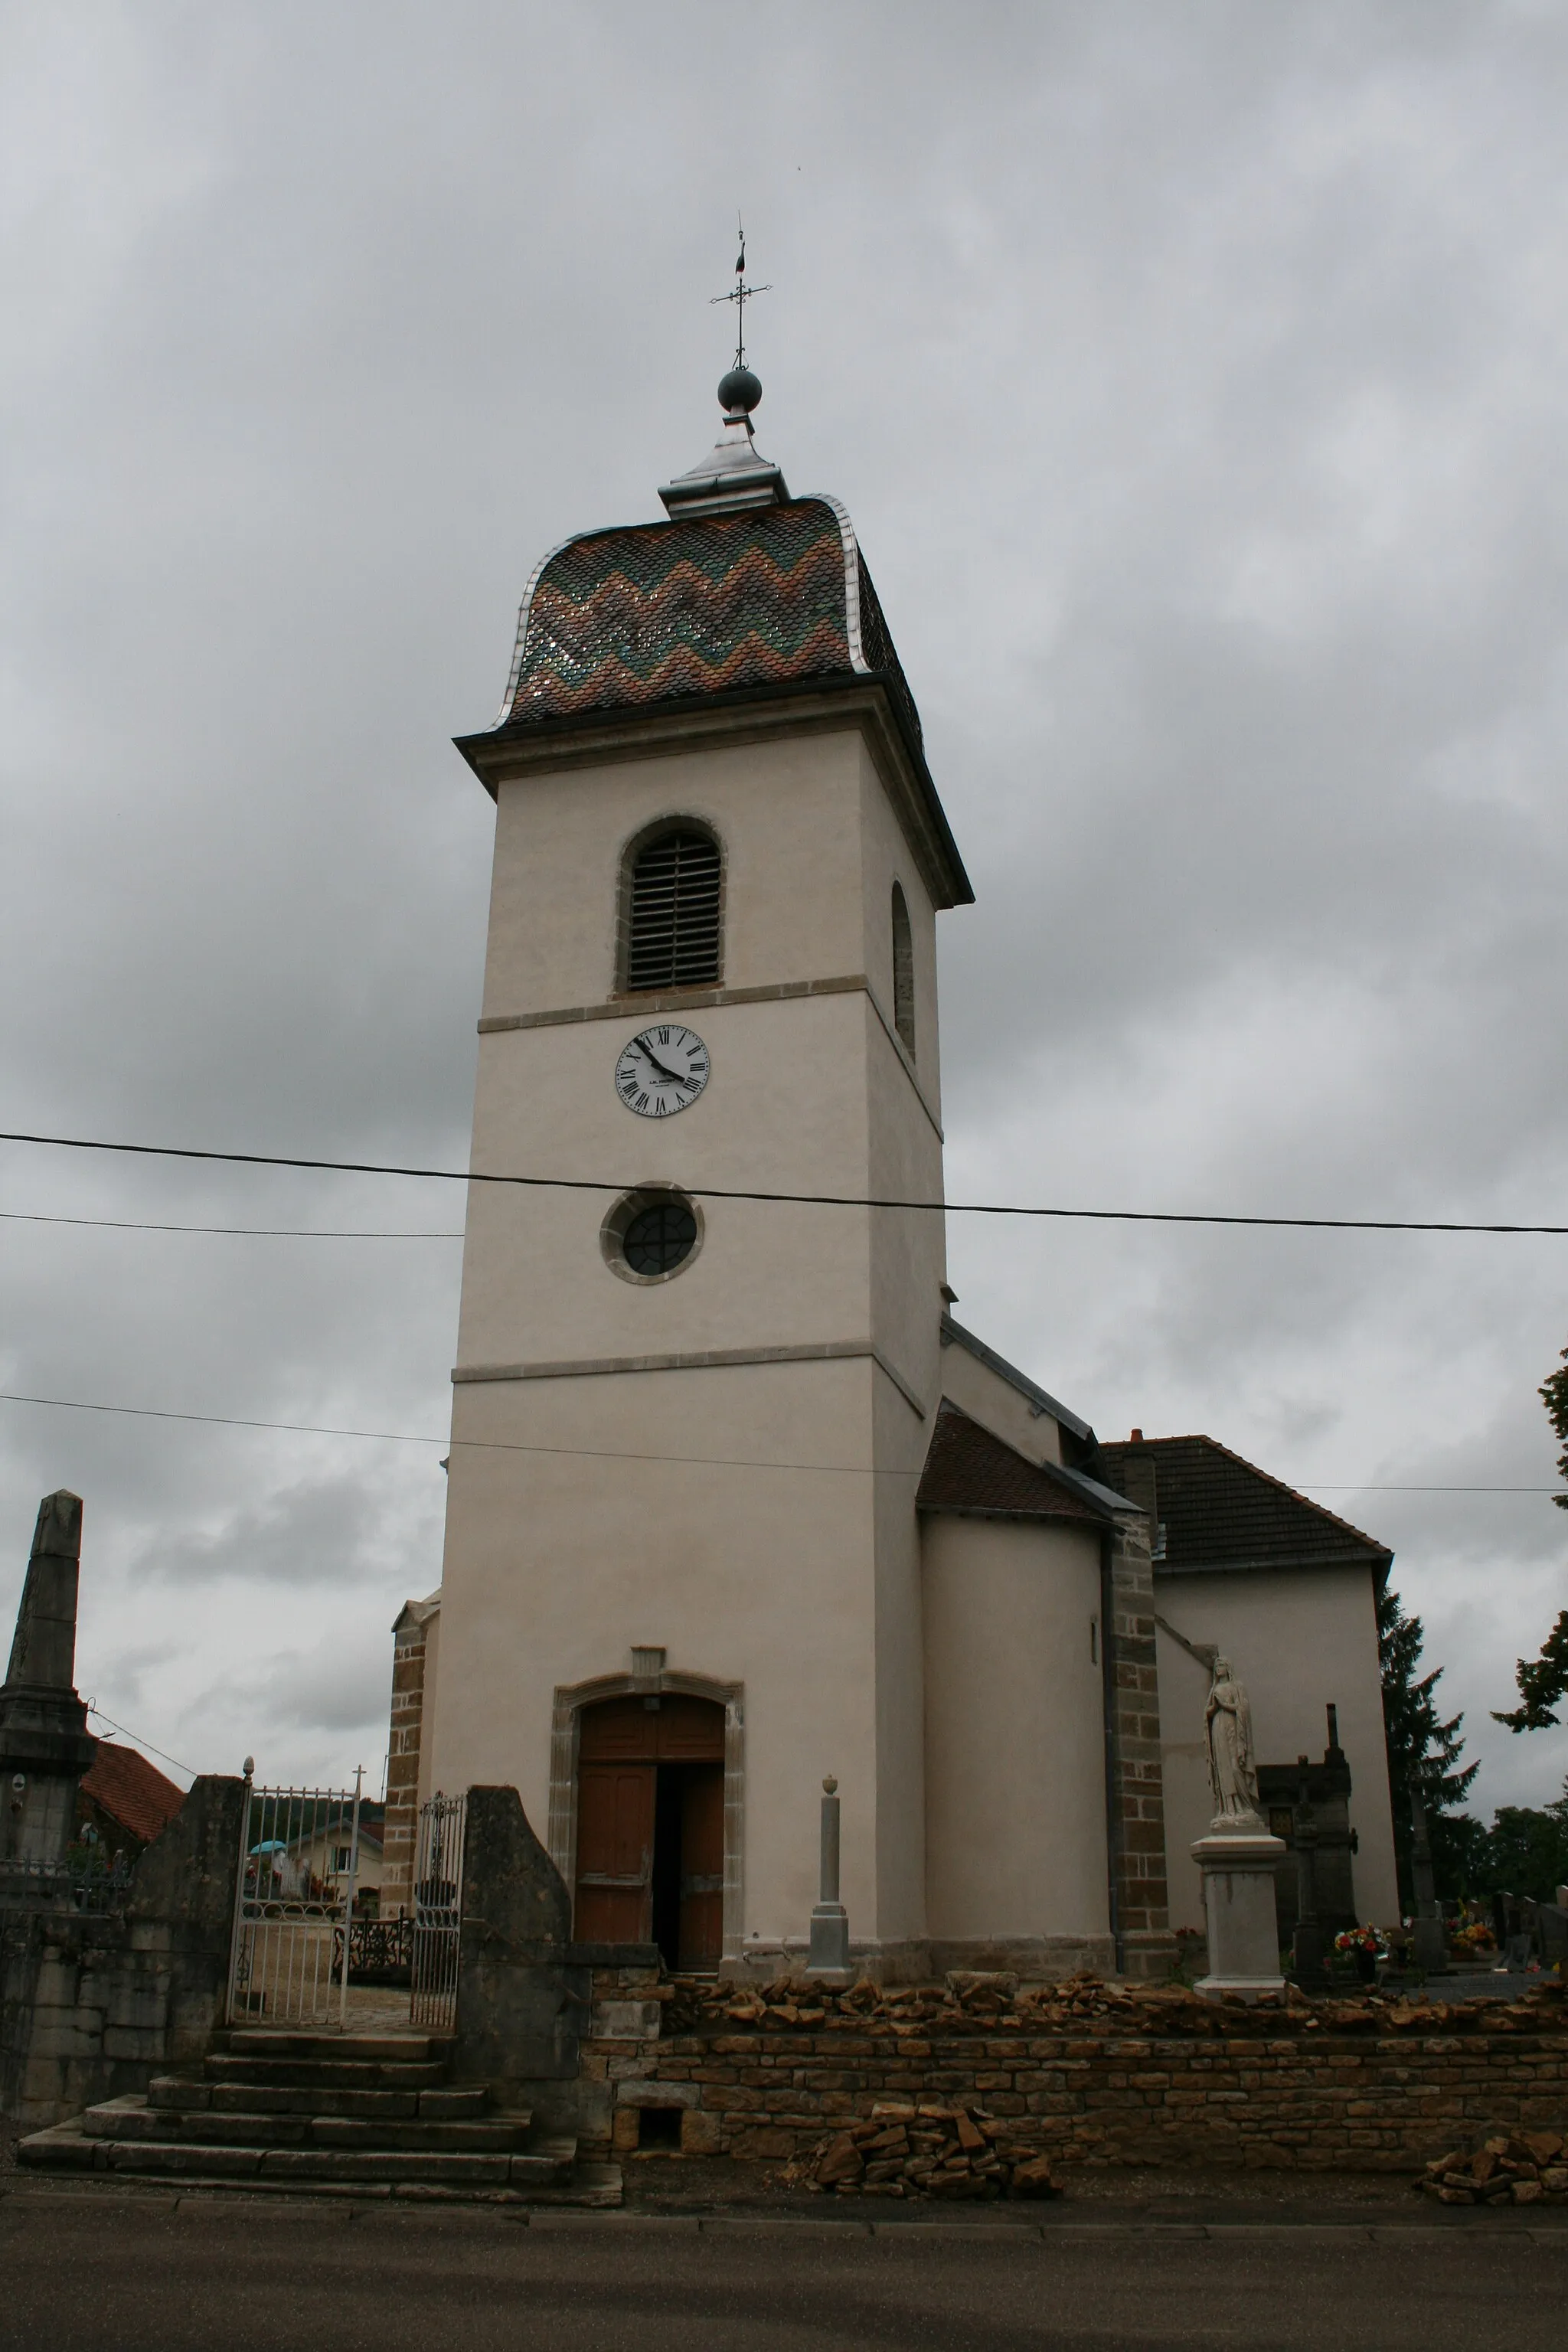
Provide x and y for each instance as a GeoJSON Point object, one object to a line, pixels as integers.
{"type": "Point", "coordinates": [299, 1857]}
{"type": "Point", "coordinates": [437, 1910]}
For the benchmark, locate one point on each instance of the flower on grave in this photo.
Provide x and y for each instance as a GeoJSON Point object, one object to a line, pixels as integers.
{"type": "Point", "coordinates": [1358, 1939]}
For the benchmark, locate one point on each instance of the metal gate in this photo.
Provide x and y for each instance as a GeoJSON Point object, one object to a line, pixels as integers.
{"type": "Point", "coordinates": [438, 1912]}
{"type": "Point", "coordinates": [299, 1858]}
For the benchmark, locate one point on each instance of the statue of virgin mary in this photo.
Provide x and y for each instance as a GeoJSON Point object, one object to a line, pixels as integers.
{"type": "Point", "coordinates": [1228, 1721]}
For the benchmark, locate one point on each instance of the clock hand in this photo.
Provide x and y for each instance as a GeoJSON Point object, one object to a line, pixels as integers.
{"type": "Point", "coordinates": [658, 1066]}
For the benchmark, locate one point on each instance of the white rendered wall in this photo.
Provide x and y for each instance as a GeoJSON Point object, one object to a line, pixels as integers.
{"type": "Point", "coordinates": [1014, 1730]}
{"type": "Point", "coordinates": [998, 1405]}
{"type": "Point", "coordinates": [767, 1534]}
{"type": "Point", "coordinates": [1298, 1640]}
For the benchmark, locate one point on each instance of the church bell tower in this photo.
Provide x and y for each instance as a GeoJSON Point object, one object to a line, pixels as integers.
{"type": "Point", "coordinates": [697, 1373]}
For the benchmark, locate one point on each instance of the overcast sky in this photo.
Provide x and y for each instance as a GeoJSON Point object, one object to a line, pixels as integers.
{"type": "Point", "coordinates": [1194, 372]}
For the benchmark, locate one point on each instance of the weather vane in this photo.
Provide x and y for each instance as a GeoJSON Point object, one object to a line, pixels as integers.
{"type": "Point", "coordinates": [740, 294]}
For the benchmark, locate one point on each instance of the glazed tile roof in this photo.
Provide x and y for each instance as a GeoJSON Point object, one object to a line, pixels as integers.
{"type": "Point", "coordinates": [1221, 1512]}
{"type": "Point", "coordinates": [619, 619]}
{"type": "Point", "coordinates": [122, 1784]}
{"type": "Point", "coordinates": [967, 1469]}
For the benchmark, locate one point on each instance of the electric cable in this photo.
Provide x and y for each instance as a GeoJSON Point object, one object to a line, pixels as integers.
{"type": "Point", "coordinates": [787, 1200]}
{"type": "Point", "coordinates": [94, 1709]}
{"type": "Point", "coordinates": [264, 1233]}
{"type": "Point", "coordinates": [617, 1454]}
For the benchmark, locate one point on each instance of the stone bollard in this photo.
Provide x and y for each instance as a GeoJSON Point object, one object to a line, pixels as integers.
{"type": "Point", "coordinates": [827, 1961]}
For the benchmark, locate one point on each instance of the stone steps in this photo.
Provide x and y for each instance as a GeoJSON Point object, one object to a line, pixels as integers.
{"type": "Point", "coordinates": [342, 2113]}
{"type": "Point", "coordinates": [134, 2118]}
{"type": "Point", "coordinates": [445, 2104]}
{"type": "Point", "coordinates": [337, 2073]}
{"type": "Point", "coordinates": [548, 2165]}
{"type": "Point", "coordinates": [275, 2041]}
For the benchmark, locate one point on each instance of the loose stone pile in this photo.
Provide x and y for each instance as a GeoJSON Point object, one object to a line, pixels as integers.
{"type": "Point", "coordinates": [929, 2150]}
{"type": "Point", "coordinates": [991, 2003]}
{"type": "Point", "coordinates": [1528, 2169]}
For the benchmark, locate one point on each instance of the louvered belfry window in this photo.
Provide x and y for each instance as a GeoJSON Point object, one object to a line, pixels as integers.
{"type": "Point", "coordinates": [673, 938]}
{"type": "Point", "coordinates": [903, 971]}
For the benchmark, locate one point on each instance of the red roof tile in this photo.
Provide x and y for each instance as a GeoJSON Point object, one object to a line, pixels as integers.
{"type": "Point", "coordinates": [968, 1469]}
{"type": "Point", "coordinates": [122, 1782]}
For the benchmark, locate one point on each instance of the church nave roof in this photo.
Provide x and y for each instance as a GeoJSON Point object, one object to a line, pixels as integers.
{"type": "Point", "coordinates": [1217, 1511]}
{"type": "Point", "coordinates": [970, 1470]}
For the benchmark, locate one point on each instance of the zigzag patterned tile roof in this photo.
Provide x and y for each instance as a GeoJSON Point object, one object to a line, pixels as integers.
{"type": "Point", "coordinates": [618, 619]}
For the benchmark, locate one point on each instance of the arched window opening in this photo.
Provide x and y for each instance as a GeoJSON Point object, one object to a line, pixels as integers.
{"type": "Point", "coordinates": [672, 929]}
{"type": "Point", "coordinates": [903, 971]}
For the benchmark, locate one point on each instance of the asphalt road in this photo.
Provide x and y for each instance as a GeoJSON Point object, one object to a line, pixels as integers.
{"type": "Point", "coordinates": [122, 2274]}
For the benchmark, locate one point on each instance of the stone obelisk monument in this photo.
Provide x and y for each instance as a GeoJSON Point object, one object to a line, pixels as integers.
{"type": "Point", "coordinates": [1238, 1857]}
{"type": "Point", "coordinates": [44, 1743]}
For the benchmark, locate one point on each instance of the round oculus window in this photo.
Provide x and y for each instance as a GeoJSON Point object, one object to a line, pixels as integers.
{"type": "Point", "coordinates": [659, 1237]}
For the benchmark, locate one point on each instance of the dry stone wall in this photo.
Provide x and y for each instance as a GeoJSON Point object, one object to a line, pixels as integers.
{"type": "Point", "coordinates": [1101, 2076]}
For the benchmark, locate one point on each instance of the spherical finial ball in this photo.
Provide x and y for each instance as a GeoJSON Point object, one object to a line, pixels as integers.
{"type": "Point", "coordinates": [739, 390]}
{"type": "Point", "coordinates": [831, 1786]}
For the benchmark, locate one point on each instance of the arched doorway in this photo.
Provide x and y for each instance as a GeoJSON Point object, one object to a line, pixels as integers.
{"type": "Point", "coordinates": [650, 1826]}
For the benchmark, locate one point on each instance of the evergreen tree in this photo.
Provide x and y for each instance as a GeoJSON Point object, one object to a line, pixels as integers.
{"type": "Point", "coordinates": [1543, 1680]}
{"type": "Point", "coordinates": [1424, 1754]}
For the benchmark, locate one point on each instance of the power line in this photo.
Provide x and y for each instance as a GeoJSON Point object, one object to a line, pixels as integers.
{"type": "Point", "coordinates": [469, 1444]}
{"type": "Point", "coordinates": [136, 1735]}
{"type": "Point", "coordinates": [266, 1233]}
{"type": "Point", "coordinates": [794, 1199]}
{"type": "Point", "coordinates": [1320, 1486]}
{"type": "Point", "coordinates": [616, 1454]}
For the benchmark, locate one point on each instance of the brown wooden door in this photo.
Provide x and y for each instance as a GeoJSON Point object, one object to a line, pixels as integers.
{"type": "Point", "coordinates": [614, 1854]}
{"type": "Point", "coordinates": [702, 1867]}
{"type": "Point", "coordinates": [627, 1892]}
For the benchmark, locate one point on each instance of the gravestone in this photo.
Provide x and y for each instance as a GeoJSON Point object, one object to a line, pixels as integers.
{"type": "Point", "coordinates": [1327, 1794]}
{"type": "Point", "coordinates": [1428, 1934]}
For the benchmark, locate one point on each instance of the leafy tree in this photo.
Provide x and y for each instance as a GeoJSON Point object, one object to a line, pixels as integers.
{"type": "Point", "coordinates": [1527, 1852]}
{"type": "Point", "coordinates": [1424, 1754]}
{"type": "Point", "coordinates": [1542, 1683]}
{"type": "Point", "coordinates": [1543, 1680]}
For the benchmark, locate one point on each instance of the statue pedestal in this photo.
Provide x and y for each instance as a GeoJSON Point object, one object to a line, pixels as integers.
{"type": "Point", "coordinates": [1238, 1865]}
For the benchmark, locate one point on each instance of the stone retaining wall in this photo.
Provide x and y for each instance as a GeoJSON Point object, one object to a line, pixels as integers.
{"type": "Point", "coordinates": [1316, 2100]}
{"type": "Point", "coordinates": [93, 2005]}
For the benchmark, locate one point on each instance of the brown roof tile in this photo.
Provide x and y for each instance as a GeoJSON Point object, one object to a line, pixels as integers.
{"type": "Point", "coordinates": [122, 1782]}
{"type": "Point", "coordinates": [1219, 1511]}
{"type": "Point", "coordinates": [968, 1469]}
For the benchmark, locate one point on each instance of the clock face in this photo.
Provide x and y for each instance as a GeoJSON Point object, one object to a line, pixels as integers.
{"type": "Point", "coordinates": [662, 1071]}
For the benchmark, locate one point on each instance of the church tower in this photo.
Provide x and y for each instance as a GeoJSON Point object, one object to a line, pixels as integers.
{"type": "Point", "coordinates": [682, 1572]}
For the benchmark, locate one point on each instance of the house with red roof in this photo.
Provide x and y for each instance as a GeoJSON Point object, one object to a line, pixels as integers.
{"type": "Point", "coordinates": [125, 1799]}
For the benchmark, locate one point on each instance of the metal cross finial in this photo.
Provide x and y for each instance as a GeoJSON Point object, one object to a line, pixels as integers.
{"type": "Point", "coordinates": [740, 294]}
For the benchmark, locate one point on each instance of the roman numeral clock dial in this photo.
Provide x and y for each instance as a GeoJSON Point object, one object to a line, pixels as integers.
{"type": "Point", "coordinates": [663, 1070]}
